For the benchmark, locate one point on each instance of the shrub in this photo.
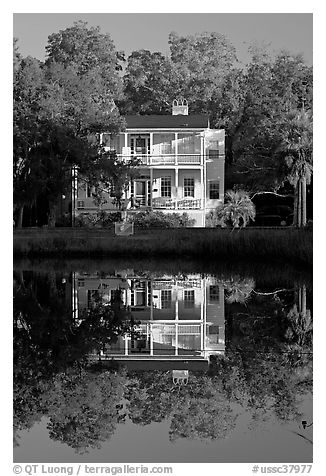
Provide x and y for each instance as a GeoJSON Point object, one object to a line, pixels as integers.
{"type": "Point", "coordinates": [157, 219]}
{"type": "Point", "coordinates": [212, 220]}
{"type": "Point", "coordinates": [238, 208]}
{"type": "Point", "coordinates": [99, 219]}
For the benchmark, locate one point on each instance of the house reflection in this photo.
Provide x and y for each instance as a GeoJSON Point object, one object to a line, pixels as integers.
{"type": "Point", "coordinates": [181, 317]}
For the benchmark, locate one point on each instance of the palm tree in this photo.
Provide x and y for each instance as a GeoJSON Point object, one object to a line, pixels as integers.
{"type": "Point", "coordinates": [237, 208]}
{"type": "Point", "coordinates": [297, 148]}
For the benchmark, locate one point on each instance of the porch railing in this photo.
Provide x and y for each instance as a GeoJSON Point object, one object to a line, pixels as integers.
{"type": "Point", "coordinates": [169, 159]}
{"type": "Point", "coordinates": [170, 204]}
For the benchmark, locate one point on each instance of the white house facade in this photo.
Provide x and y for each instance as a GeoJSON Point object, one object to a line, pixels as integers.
{"type": "Point", "coordinates": [181, 165]}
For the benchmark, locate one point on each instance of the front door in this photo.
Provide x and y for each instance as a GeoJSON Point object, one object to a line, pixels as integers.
{"type": "Point", "coordinates": [141, 191]}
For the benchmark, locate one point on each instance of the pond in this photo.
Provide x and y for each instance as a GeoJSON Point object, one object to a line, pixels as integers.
{"type": "Point", "coordinates": [126, 361]}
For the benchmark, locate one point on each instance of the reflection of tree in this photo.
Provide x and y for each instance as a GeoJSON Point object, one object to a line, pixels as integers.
{"type": "Point", "coordinates": [269, 352]}
{"type": "Point", "coordinates": [47, 341]}
{"type": "Point", "coordinates": [82, 407]}
{"type": "Point", "coordinates": [266, 371]}
{"type": "Point", "coordinates": [197, 410]}
{"type": "Point", "coordinates": [103, 323]}
{"type": "Point", "coordinates": [238, 289]}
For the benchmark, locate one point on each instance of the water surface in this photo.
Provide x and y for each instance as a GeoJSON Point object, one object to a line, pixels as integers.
{"type": "Point", "coordinates": [118, 361]}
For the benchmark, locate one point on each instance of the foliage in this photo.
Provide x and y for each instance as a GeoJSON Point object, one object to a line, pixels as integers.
{"type": "Point", "coordinates": [237, 209]}
{"type": "Point", "coordinates": [101, 218]}
{"type": "Point", "coordinates": [157, 219]}
{"type": "Point", "coordinates": [265, 373]}
{"type": "Point", "coordinates": [147, 84]}
{"type": "Point", "coordinates": [59, 107]}
{"type": "Point", "coordinates": [82, 408]}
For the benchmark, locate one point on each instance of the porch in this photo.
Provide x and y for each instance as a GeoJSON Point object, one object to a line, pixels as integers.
{"type": "Point", "coordinates": [161, 160]}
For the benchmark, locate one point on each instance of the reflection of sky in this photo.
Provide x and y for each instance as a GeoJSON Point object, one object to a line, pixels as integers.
{"type": "Point", "coordinates": [268, 441]}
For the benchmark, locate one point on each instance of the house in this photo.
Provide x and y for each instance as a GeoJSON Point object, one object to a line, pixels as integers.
{"type": "Point", "coordinates": [181, 165]}
{"type": "Point", "coordinates": [180, 319]}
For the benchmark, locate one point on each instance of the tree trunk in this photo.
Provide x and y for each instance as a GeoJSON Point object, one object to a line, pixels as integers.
{"type": "Point", "coordinates": [20, 217]}
{"type": "Point", "coordinates": [299, 204]}
{"type": "Point", "coordinates": [295, 205]}
{"type": "Point", "coordinates": [52, 214]}
{"type": "Point", "coordinates": [304, 201]}
{"type": "Point", "coordinates": [303, 309]}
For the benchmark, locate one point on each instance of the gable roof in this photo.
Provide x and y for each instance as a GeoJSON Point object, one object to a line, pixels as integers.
{"type": "Point", "coordinates": [167, 121]}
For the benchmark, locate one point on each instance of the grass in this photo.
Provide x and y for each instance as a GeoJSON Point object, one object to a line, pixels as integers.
{"type": "Point", "coordinates": [284, 244]}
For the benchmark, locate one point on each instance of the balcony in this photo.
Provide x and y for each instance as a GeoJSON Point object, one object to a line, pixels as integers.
{"type": "Point", "coordinates": [180, 159]}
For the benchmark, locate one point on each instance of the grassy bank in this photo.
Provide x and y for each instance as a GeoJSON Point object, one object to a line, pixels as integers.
{"type": "Point", "coordinates": [284, 244]}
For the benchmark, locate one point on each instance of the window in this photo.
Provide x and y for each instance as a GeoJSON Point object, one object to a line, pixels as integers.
{"type": "Point", "coordinates": [189, 187]}
{"type": "Point", "coordinates": [214, 190]}
{"type": "Point", "coordinates": [166, 299]}
{"type": "Point", "coordinates": [214, 293]}
{"type": "Point", "coordinates": [166, 187]}
{"type": "Point", "coordinates": [189, 299]}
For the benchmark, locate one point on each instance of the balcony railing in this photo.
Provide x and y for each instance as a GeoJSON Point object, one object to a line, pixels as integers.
{"type": "Point", "coordinates": [171, 159]}
{"type": "Point", "coordinates": [170, 203]}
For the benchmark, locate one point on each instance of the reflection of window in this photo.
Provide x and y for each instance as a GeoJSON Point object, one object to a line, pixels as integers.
{"type": "Point", "coordinates": [90, 191]}
{"type": "Point", "coordinates": [214, 190]}
{"type": "Point", "coordinates": [213, 153]}
{"type": "Point", "coordinates": [189, 187]}
{"type": "Point", "coordinates": [214, 293]}
{"type": "Point", "coordinates": [166, 187]}
{"type": "Point", "coordinates": [189, 299]}
{"type": "Point", "coordinates": [166, 299]}
{"type": "Point", "coordinates": [92, 297]}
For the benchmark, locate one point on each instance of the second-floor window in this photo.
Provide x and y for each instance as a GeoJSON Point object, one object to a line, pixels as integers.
{"type": "Point", "coordinates": [166, 187]}
{"type": "Point", "coordinates": [189, 187]}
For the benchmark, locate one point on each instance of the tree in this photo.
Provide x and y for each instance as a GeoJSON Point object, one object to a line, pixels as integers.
{"type": "Point", "coordinates": [271, 88]}
{"type": "Point", "coordinates": [148, 83]}
{"type": "Point", "coordinates": [203, 62]}
{"type": "Point", "coordinates": [72, 102]}
{"type": "Point", "coordinates": [27, 94]}
{"type": "Point", "coordinates": [297, 150]}
{"type": "Point", "coordinates": [237, 208]}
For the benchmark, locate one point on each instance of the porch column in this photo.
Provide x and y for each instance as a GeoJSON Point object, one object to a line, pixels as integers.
{"type": "Point", "coordinates": [126, 139]}
{"type": "Point", "coordinates": [203, 194]}
{"type": "Point", "coordinates": [151, 173]}
{"type": "Point", "coordinates": [176, 323]}
{"type": "Point", "coordinates": [176, 187]}
{"type": "Point", "coordinates": [126, 345]}
{"type": "Point", "coordinates": [151, 142]}
{"type": "Point", "coordinates": [202, 150]}
{"type": "Point", "coordinates": [176, 148]}
{"type": "Point", "coordinates": [151, 340]}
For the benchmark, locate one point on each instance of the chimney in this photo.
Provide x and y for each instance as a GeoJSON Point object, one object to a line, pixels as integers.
{"type": "Point", "coordinates": [180, 107]}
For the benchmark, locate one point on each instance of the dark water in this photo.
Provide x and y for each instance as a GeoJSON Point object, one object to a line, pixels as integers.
{"type": "Point", "coordinates": [162, 362]}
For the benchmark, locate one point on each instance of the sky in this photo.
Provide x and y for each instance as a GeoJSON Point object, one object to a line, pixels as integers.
{"type": "Point", "coordinates": [133, 31]}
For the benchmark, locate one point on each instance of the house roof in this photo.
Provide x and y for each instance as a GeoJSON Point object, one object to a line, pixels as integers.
{"type": "Point", "coordinates": [167, 121]}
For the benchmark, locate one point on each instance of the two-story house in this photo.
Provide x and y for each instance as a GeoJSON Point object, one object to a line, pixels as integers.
{"type": "Point", "coordinates": [181, 165]}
